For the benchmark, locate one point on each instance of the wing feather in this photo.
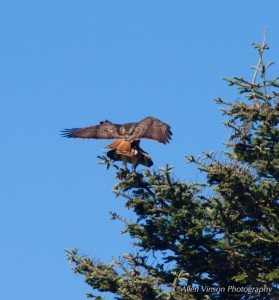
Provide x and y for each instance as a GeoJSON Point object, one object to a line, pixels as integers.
{"type": "Point", "coordinates": [153, 129]}
{"type": "Point", "coordinates": [105, 130]}
{"type": "Point", "coordinates": [148, 128]}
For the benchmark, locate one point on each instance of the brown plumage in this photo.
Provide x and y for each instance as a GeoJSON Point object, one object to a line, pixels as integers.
{"type": "Point", "coordinates": [128, 136]}
{"type": "Point", "coordinates": [138, 156]}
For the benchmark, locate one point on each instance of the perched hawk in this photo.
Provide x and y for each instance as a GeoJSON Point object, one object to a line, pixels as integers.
{"type": "Point", "coordinates": [128, 136]}
{"type": "Point", "coordinates": [138, 157]}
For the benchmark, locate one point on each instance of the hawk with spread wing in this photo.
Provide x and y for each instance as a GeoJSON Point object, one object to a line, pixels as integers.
{"type": "Point", "coordinates": [127, 138]}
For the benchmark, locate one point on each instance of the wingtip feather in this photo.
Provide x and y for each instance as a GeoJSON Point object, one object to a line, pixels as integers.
{"type": "Point", "coordinates": [68, 133]}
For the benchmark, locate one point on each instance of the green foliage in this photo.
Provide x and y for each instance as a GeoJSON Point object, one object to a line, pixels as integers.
{"type": "Point", "coordinates": [187, 238]}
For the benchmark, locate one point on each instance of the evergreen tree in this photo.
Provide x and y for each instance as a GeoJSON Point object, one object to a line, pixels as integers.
{"type": "Point", "coordinates": [220, 246]}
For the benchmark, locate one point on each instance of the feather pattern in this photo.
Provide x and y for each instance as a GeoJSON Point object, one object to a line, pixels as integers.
{"type": "Point", "coordinates": [149, 128]}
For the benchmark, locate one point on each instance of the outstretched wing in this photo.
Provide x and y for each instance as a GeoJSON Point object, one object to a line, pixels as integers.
{"type": "Point", "coordinates": [149, 128]}
{"type": "Point", "coordinates": [105, 130]}
{"type": "Point", "coordinates": [153, 129]}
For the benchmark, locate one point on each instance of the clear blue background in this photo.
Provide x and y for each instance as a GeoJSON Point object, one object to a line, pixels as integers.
{"type": "Point", "coordinates": [70, 64]}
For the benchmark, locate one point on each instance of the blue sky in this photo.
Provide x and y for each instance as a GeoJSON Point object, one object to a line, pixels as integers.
{"type": "Point", "coordinates": [74, 63]}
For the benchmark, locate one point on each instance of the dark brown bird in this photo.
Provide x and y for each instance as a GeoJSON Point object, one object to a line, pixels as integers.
{"type": "Point", "coordinates": [138, 157]}
{"type": "Point", "coordinates": [127, 137]}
